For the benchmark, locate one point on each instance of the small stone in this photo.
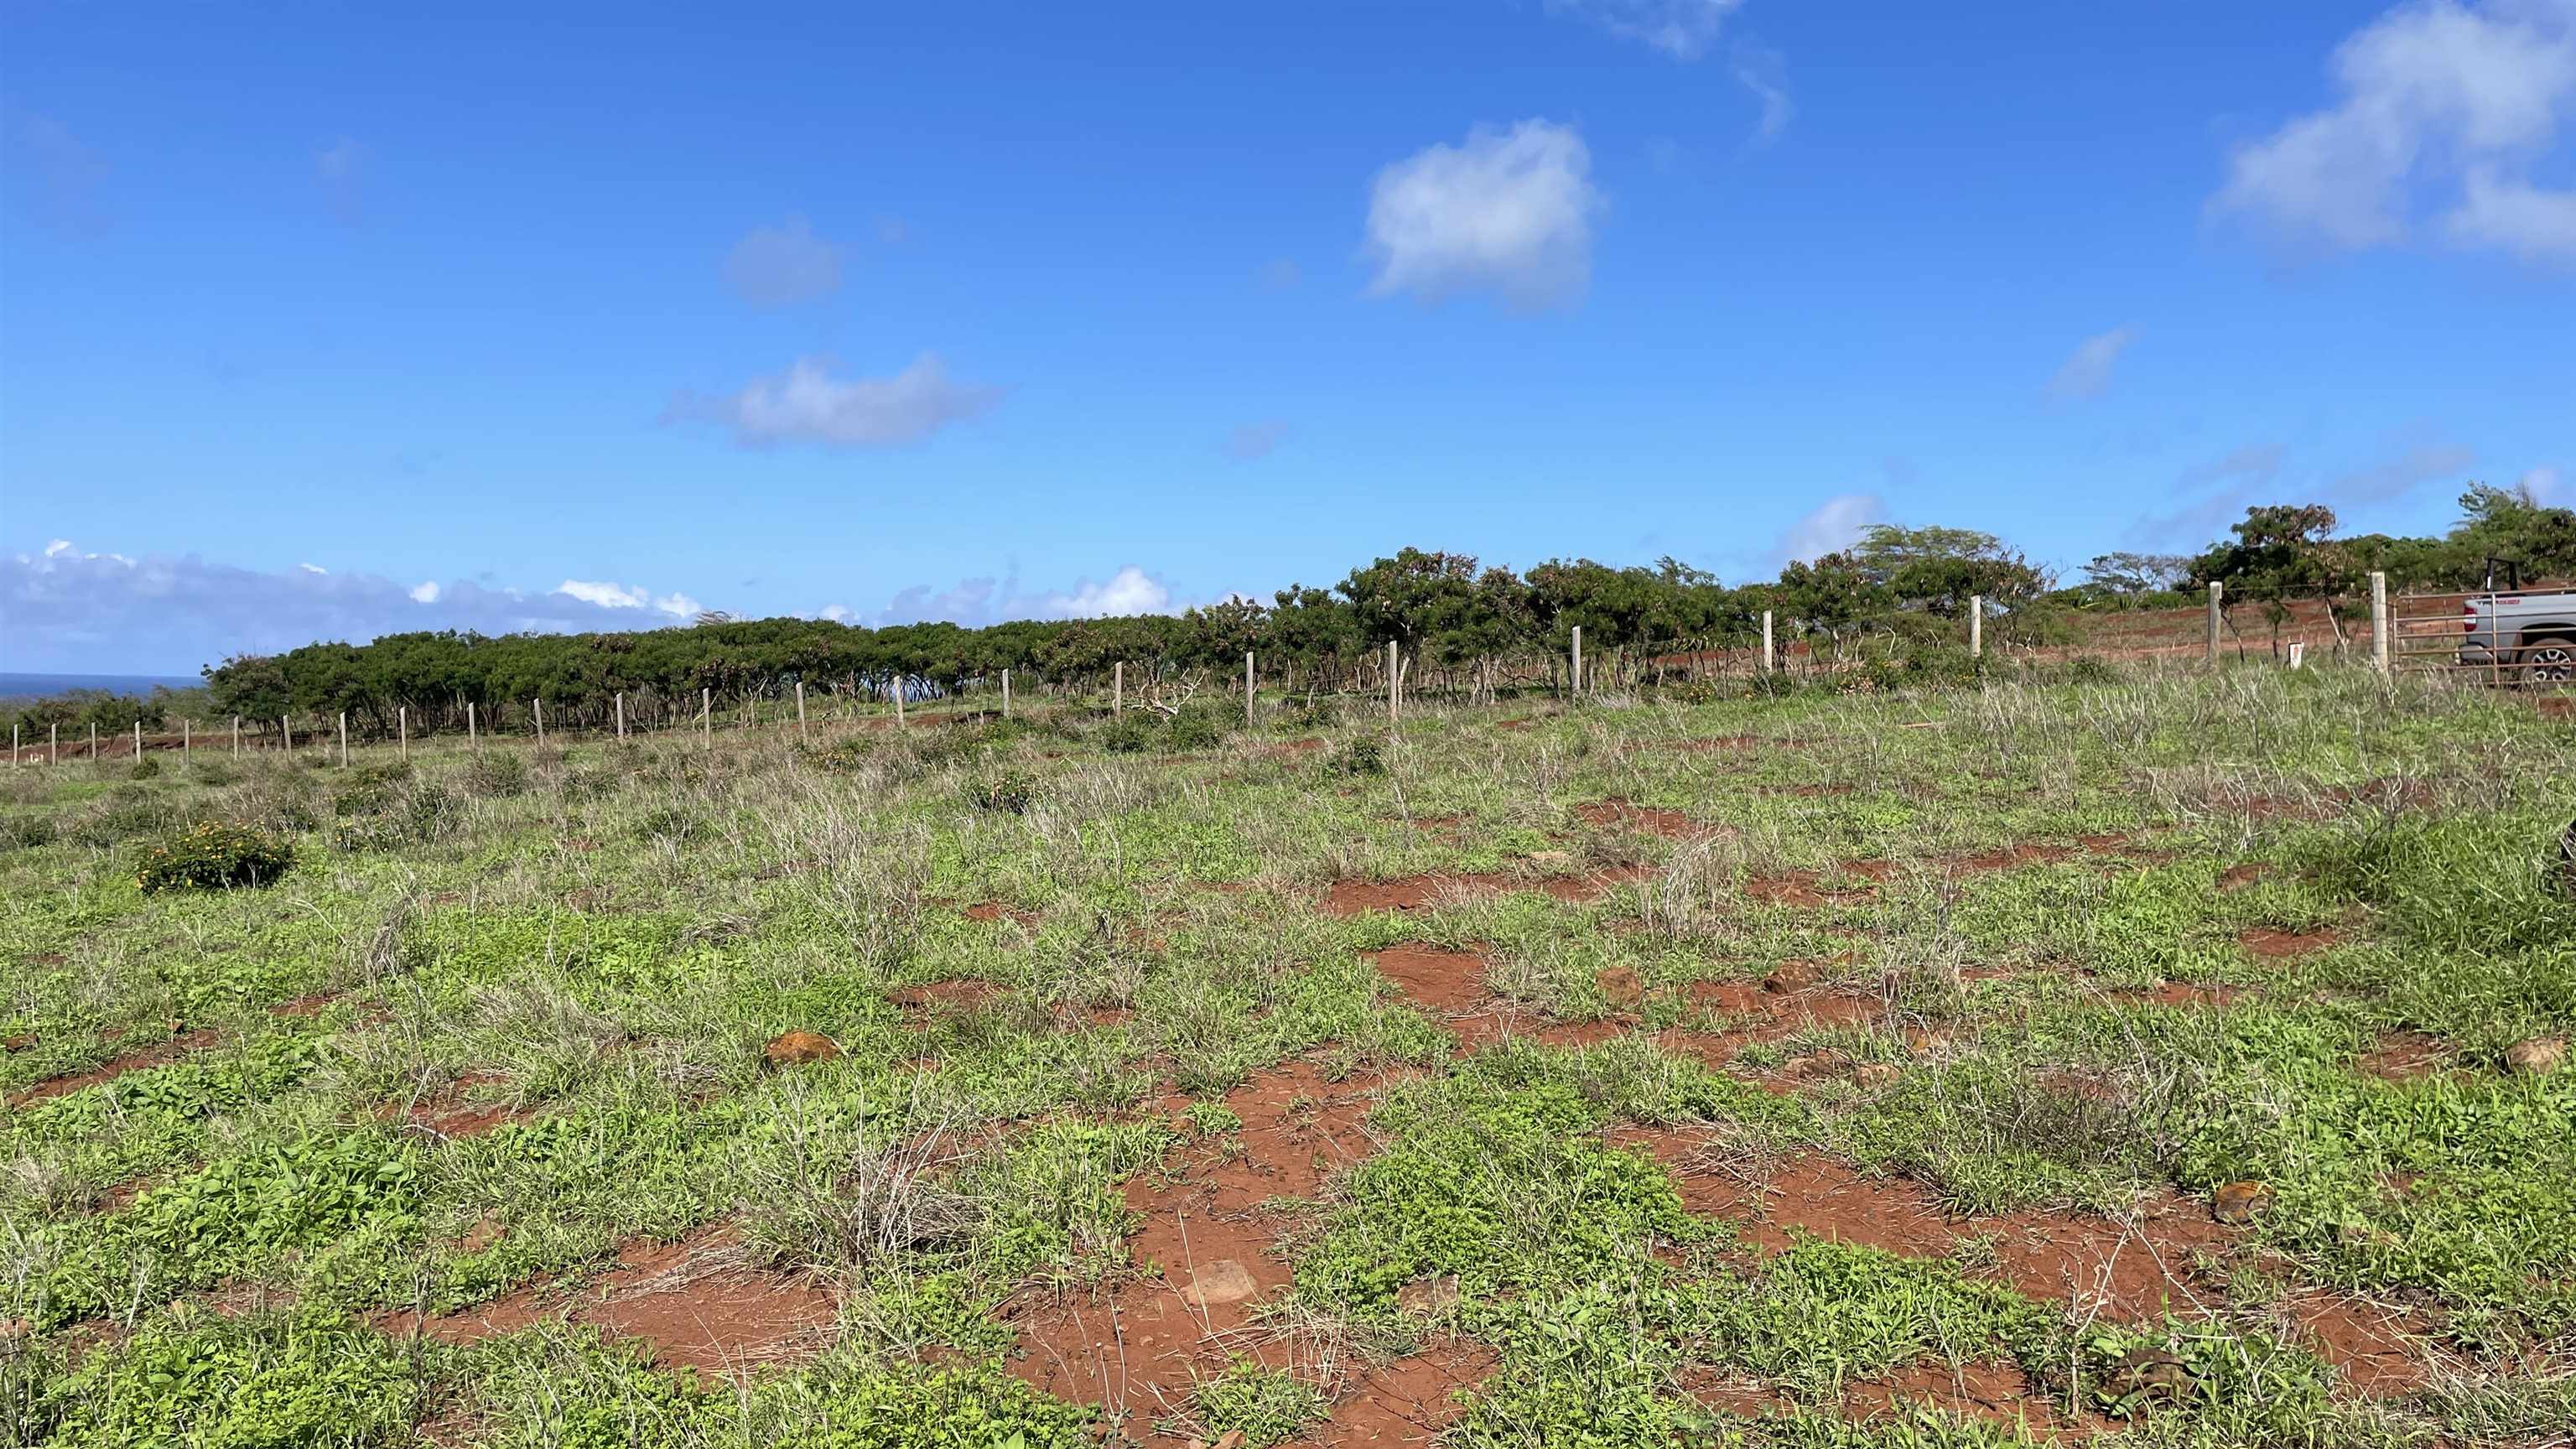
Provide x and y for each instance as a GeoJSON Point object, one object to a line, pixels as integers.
{"type": "Point", "coordinates": [1223, 1281]}
{"type": "Point", "coordinates": [2537, 1057]}
{"type": "Point", "coordinates": [796, 1048]}
{"type": "Point", "coordinates": [1875, 1074]}
{"type": "Point", "coordinates": [2240, 1202]}
{"type": "Point", "coordinates": [1429, 1295]}
{"type": "Point", "coordinates": [1622, 986]}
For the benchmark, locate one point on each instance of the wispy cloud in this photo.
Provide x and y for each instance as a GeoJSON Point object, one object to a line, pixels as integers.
{"type": "Point", "coordinates": [1762, 71]}
{"type": "Point", "coordinates": [2444, 111]}
{"type": "Point", "coordinates": [1682, 29]}
{"type": "Point", "coordinates": [1506, 211]}
{"type": "Point", "coordinates": [992, 599]}
{"type": "Point", "coordinates": [2086, 373]}
{"type": "Point", "coordinates": [780, 266]}
{"type": "Point", "coordinates": [806, 404]}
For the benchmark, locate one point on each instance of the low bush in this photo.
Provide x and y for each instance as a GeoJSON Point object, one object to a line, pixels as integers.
{"type": "Point", "coordinates": [215, 856]}
{"type": "Point", "coordinates": [1357, 757]}
{"type": "Point", "coordinates": [1200, 727]}
{"type": "Point", "coordinates": [496, 773]}
{"type": "Point", "coordinates": [1011, 792]}
{"type": "Point", "coordinates": [1129, 734]}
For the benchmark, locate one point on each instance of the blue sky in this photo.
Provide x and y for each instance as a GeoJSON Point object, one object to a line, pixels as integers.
{"type": "Point", "coordinates": [315, 322]}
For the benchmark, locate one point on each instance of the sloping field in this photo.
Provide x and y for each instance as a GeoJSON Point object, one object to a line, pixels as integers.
{"type": "Point", "coordinates": [2168, 1061]}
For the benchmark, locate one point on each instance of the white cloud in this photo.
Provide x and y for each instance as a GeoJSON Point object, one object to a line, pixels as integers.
{"type": "Point", "coordinates": [1761, 70]}
{"type": "Point", "coordinates": [2546, 484]}
{"type": "Point", "coordinates": [1255, 440]}
{"type": "Point", "coordinates": [807, 404]}
{"type": "Point", "coordinates": [313, 568]}
{"type": "Point", "coordinates": [91, 613]}
{"type": "Point", "coordinates": [780, 266]}
{"type": "Point", "coordinates": [1129, 591]}
{"type": "Point", "coordinates": [2443, 105]}
{"type": "Point", "coordinates": [602, 595]}
{"type": "Point", "coordinates": [2086, 373]}
{"type": "Point", "coordinates": [1830, 526]}
{"type": "Point", "coordinates": [1510, 211]}
{"type": "Point", "coordinates": [1683, 29]}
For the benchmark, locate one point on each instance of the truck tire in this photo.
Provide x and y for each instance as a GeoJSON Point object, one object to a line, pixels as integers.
{"type": "Point", "coordinates": [2551, 660]}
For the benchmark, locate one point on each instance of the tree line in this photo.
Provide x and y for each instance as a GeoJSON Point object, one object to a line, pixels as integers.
{"type": "Point", "coordinates": [1458, 628]}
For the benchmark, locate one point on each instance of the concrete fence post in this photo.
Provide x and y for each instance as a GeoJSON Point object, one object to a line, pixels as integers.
{"type": "Point", "coordinates": [707, 715]}
{"type": "Point", "coordinates": [1006, 694]}
{"type": "Point", "coordinates": [1247, 689]}
{"type": "Point", "coordinates": [236, 734]}
{"type": "Point", "coordinates": [2380, 630]}
{"type": "Point", "coordinates": [286, 735]}
{"type": "Point", "coordinates": [537, 707]}
{"type": "Point", "coordinates": [1117, 689]}
{"type": "Point", "coordinates": [1976, 626]}
{"type": "Point", "coordinates": [473, 735]}
{"type": "Point", "coordinates": [800, 712]}
{"type": "Point", "coordinates": [2217, 597]}
{"type": "Point", "coordinates": [187, 742]}
{"type": "Point", "coordinates": [344, 739]}
{"type": "Point", "coordinates": [1769, 660]}
{"type": "Point", "coordinates": [138, 742]}
{"type": "Point", "coordinates": [1392, 681]}
{"type": "Point", "coordinates": [1578, 660]}
{"type": "Point", "coordinates": [93, 746]}
{"type": "Point", "coordinates": [54, 742]}
{"type": "Point", "coordinates": [2298, 654]}
{"type": "Point", "coordinates": [402, 729]}
{"type": "Point", "coordinates": [898, 701]}
{"type": "Point", "coordinates": [621, 716]}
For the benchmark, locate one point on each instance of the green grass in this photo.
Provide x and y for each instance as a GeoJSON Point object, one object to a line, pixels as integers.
{"type": "Point", "coordinates": [597, 941]}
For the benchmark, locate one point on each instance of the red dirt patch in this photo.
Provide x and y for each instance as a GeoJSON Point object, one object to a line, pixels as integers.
{"type": "Point", "coordinates": [2275, 945]}
{"type": "Point", "coordinates": [161, 1055]}
{"type": "Point", "coordinates": [1446, 982]}
{"type": "Point", "coordinates": [449, 1115]}
{"type": "Point", "coordinates": [995, 911]}
{"type": "Point", "coordinates": [693, 1301]}
{"type": "Point", "coordinates": [966, 994]}
{"type": "Point", "coordinates": [2402, 1056]}
{"type": "Point", "coordinates": [2184, 994]}
{"type": "Point", "coordinates": [305, 1005]}
{"type": "Point", "coordinates": [2380, 1350]}
{"type": "Point", "coordinates": [1204, 1241]}
{"type": "Point", "coordinates": [1994, 1392]}
{"type": "Point", "coordinates": [1405, 1404]}
{"type": "Point", "coordinates": [1621, 815]}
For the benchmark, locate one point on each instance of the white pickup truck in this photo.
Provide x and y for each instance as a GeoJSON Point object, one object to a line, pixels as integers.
{"type": "Point", "coordinates": [2530, 635]}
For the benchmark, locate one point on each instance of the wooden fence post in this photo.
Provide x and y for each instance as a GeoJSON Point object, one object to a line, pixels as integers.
{"type": "Point", "coordinates": [344, 739]}
{"type": "Point", "coordinates": [402, 728]}
{"type": "Point", "coordinates": [1766, 642]}
{"type": "Point", "coordinates": [2217, 593]}
{"type": "Point", "coordinates": [1393, 681]}
{"type": "Point", "coordinates": [187, 744]}
{"type": "Point", "coordinates": [800, 712]}
{"type": "Point", "coordinates": [898, 701]}
{"type": "Point", "coordinates": [473, 736]}
{"type": "Point", "coordinates": [54, 742]}
{"type": "Point", "coordinates": [707, 715]}
{"type": "Point", "coordinates": [13, 744]}
{"type": "Point", "coordinates": [93, 746]}
{"type": "Point", "coordinates": [621, 716]}
{"type": "Point", "coordinates": [236, 735]}
{"type": "Point", "coordinates": [138, 742]}
{"type": "Point", "coordinates": [538, 706]}
{"type": "Point", "coordinates": [1247, 689]}
{"type": "Point", "coordinates": [1578, 659]}
{"type": "Point", "coordinates": [286, 735]}
{"type": "Point", "coordinates": [1118, 689]}
{"type": "Point", "coordinates": [1006, 694]}
{"type": "Point", "coordinates": [2379, 622]}
{"type": "Point", "coordinates": [1976, 626]}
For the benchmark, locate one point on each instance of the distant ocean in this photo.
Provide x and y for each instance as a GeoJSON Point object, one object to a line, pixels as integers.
{"type": "Point", "coordinates": [37, 686]}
